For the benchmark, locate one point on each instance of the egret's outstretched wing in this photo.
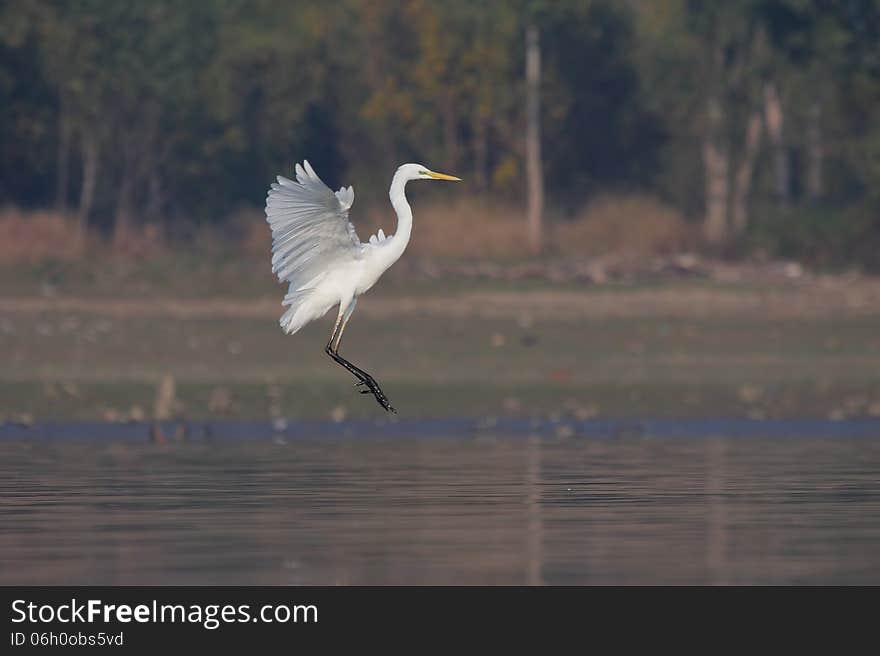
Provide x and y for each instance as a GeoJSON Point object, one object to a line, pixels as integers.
{"type": "Point", "coordinates": [310, 228]}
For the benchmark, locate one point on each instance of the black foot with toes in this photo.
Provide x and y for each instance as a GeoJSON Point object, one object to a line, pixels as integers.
{"type": "Point", "coordinates": [372, 387]}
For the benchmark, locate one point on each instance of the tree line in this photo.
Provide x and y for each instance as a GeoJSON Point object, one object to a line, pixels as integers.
{"type": "Point", "coordinates": [758, 119]}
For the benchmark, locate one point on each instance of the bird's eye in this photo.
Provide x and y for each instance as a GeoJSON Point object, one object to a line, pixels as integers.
{"type": "Point", "coordinates": [423, 173]}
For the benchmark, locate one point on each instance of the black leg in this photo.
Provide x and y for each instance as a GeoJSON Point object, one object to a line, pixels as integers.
{"type": "Point", "coordinates": [364, 379]}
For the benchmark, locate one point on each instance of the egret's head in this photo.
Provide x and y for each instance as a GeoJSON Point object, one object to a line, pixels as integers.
{"type": "Point", "coordinates": [422, 172]}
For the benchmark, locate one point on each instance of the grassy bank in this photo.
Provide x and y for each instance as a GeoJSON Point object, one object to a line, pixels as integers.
{"type": "Point", "coordinates": [85, 365]}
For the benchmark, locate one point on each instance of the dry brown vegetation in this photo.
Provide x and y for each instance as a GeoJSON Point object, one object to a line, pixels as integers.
{"type": "Point", "coordinates": [469, 228]}
{"type": "Point", "coordinates": [625, 225]}
{"type": "Point", "coordinates": [32, 237]}
{"type": "Point", "coordinates": [475, 228]}
{"type": "Point", "coordinates": [463, 228]}
{"type": "Point", "coordinates": [141, 242]}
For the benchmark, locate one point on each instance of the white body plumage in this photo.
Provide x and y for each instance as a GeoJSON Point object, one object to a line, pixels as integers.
{"type": "Point", "coordinates": [316, 249]}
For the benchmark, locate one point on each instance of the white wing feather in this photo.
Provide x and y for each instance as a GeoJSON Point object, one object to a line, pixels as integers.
{"type": "Point", "coordinates": [310, 228]}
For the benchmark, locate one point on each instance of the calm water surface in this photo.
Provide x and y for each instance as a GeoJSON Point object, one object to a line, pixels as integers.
{"type": "Point", "coordinates": [493, 510]}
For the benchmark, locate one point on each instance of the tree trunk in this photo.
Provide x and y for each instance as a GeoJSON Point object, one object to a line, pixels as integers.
{"type": "Point", "coordinates": [774, 117]}
{"type": "Point", "coordinates": [89, 181]}
{"type": "Point", "coordinates": [139, 148]}
{"type": "Point", "coordinates": [62, 182]}
{"type": "Point", "coordinates": [815, 153]}
{"type": "Point", "coordinates": [715, 170]}
{"type": "Point", "coordinates": [533, 141]}
{"type": "Point", "coordinates": [743, 181]}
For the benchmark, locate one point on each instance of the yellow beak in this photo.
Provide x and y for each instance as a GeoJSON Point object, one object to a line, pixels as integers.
{"type": "Point", "coordinates": [443, 176]}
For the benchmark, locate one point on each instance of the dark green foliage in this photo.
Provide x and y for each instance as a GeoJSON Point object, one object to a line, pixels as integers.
{"type": "Point", "coordinates": [824, 236]}
{"type": "Point", "coordinates": [602, 135]}
{"type": "Point", "coordinates": [193, 107]}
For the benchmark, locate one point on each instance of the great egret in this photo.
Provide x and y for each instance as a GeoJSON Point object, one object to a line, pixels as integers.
{"type": "Point", "coordinates": [316, 249]}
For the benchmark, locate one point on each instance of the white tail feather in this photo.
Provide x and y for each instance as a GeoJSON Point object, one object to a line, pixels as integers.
{"type": "Point", "coordinates": [297, 314]}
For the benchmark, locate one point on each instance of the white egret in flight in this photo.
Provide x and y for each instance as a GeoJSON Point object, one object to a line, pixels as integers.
{"type": "Point", "coordinates": [316, 249]}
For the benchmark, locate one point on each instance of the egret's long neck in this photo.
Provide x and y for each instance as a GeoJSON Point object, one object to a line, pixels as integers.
{"type": "Point", "coordinates": [404, 215]}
